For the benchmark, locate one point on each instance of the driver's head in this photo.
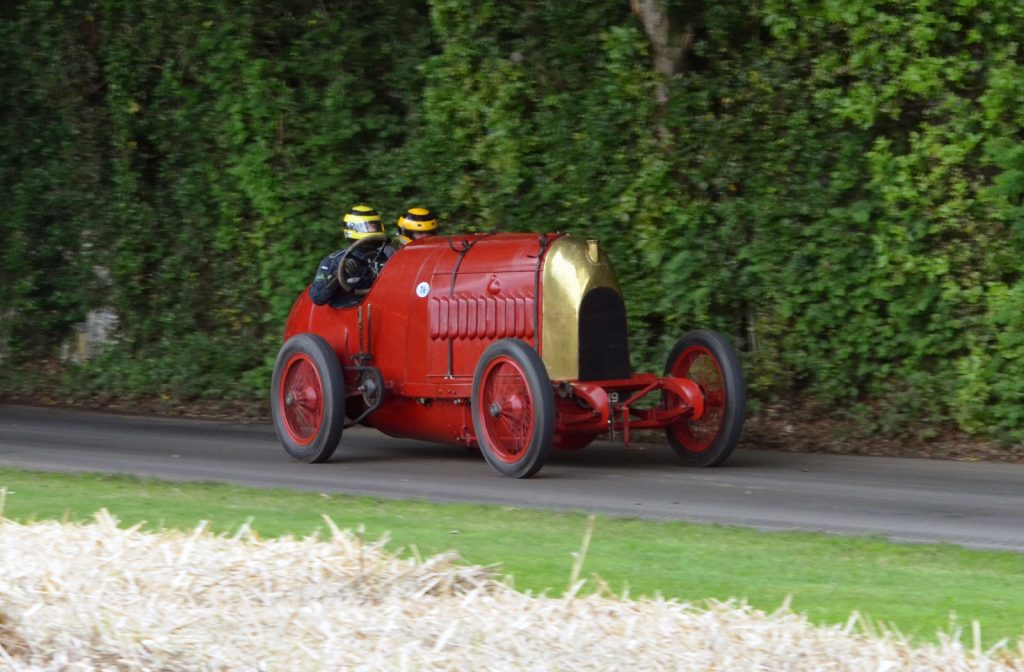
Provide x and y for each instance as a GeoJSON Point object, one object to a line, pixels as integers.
{"type": "Point", "coordinates": [362, 221]}
{"type": "Point", "coordinates": [417, 223]}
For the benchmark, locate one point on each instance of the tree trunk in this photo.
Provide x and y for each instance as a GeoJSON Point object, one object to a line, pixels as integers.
{"type": "Point", "coordinates": [671, 37]}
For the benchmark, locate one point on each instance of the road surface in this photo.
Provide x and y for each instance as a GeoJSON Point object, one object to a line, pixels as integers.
{"type": "Point", "coordinates": [979, 505]}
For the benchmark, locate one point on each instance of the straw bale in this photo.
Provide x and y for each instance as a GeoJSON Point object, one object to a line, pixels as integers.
{"type": "Point", "coordinates": [10, 641]}
{"type": "Point", "coordinates": [99, 597]}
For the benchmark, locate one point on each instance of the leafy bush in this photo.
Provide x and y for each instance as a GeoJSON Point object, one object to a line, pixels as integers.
{"type": "Point", "coordinates": [838, 186]}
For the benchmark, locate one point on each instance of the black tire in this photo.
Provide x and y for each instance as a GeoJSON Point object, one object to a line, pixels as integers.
{"type": "Point", "coordinates": [513, 408]}
{"type": "Point", "coordinates": [307, 398]}
{"type": "Point", "coordinates": [707, 358]}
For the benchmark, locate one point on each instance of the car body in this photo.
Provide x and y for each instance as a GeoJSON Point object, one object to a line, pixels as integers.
{"type": "Point", "coordinates": [514, 343]}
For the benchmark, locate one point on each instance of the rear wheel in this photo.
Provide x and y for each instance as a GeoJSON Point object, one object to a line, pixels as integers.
{"type": "Point", "coordinates": [513, 409]}
{"type": "Point", "coordinates": [708, 359]}
{"type": "Point", "coordinates": [307, 398]}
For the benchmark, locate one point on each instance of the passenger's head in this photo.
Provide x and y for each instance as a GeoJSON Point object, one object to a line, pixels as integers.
{"type": "Point", "coordinates": [362, 221]}
{"type": "Point", "coordinates": [417, 223]}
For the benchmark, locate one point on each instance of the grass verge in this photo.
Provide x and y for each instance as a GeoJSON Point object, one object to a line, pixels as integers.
{"type": "Point", "coordinates": [917, 589]}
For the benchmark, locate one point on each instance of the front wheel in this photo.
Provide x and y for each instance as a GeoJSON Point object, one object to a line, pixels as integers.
{"type": "Point", "coordinates": [513, 407]}
{"type": "Point", "coordinates": [708, 359]}
{"type": "Point", "coordinates": [307, 398]}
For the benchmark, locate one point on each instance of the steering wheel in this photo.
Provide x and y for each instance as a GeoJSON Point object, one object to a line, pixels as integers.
{"type": "Point", "coordinates": [343, 284]}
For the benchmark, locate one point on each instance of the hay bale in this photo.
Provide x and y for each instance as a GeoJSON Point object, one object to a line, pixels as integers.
{"type": "Point", "coordinates": [99, 597]}
{"type": "Point", "coordinates": [11, 642]}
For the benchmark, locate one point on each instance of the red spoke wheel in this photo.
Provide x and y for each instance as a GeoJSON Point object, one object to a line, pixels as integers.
{"type": "Point", "coordinates": [513, 408]}
{"type": "Point", "coordinates": [307, 398]}
{"type": "Point", "coordinates": [708, 359]}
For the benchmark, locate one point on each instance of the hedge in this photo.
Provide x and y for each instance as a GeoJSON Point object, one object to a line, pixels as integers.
{"type": "Point", "coordinates": [836, 185]}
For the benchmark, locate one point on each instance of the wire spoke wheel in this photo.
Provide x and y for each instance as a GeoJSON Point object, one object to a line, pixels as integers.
{"type": "Point", "coordinates": [700, 366]}
{"type": "Point", "coordinates": [513, 408]}
{"type": "Point", "coordinates": [708, 359]}
{"type": "Point", "coordinates": [308, 398]}
{"type": "Point", "coordinates": [508, 406]}
{"type": "Point", "coordinates": [302, 399]}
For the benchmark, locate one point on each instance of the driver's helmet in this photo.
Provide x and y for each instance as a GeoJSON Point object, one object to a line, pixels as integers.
{"type": "Point", "coordinates": [362, 221]}
{"type": "Point", "coordinates": [416, 220]}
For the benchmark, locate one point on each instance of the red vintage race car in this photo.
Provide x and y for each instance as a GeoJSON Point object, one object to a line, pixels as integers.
{"type": "Point", "coordinates": [512, 343]}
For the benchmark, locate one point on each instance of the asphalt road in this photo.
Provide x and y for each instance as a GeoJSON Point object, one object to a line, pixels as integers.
{"type": "Point", "coordinates": [979, 505]}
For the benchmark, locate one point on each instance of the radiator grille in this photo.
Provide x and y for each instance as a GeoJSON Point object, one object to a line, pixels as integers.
{"type": "Point", "coordinates": [604, 338]}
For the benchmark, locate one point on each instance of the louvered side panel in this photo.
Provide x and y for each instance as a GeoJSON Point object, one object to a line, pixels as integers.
{"type": "Point", "coordinates": [481, 317]}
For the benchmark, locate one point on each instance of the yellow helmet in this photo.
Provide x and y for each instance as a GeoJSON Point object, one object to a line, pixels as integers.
{"type": "Point", "coordinates": [362, 221]}
{"type": "Point", "coordinates": [416, 219]}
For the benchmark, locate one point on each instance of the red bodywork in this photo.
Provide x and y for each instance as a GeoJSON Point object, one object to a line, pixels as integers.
{"type": "Point", "coordinates": [434, 309]}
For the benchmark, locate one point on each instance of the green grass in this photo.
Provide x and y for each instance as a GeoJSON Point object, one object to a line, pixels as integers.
{"type": "Point", "coordinates": [915, 588]}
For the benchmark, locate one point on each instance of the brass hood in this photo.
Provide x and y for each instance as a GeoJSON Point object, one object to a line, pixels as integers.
{"type": "Point", "coordinates": [572, 267]}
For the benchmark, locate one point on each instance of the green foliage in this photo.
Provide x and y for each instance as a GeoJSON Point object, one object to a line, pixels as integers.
{"type": "Point", "coordinates": [922, 110]}
{"type": "Point", "coordinates": [992, 374]}
{"type": "Point", "coordinates": [201, 158]}
{"type": "Point", "coordinates": [839, 186]}
{"type": "Point", "coordinates": [47, 170]}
